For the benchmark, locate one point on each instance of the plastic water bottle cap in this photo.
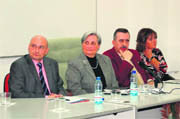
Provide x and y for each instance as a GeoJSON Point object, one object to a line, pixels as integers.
{"type": "Point", "coordinates": [133, 72]}
{"type": "Point", "coordinates": [98, 78]}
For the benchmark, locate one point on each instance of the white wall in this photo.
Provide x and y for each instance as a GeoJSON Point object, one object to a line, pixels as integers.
{"type": "Point", "coordinates": [161, 15]}
{"type": "Point", "coordinates": [4, 69]}
{"type": "Point", "coordinates": [173, 45]}
{"type": "Point", "coordinates": [22, 19]}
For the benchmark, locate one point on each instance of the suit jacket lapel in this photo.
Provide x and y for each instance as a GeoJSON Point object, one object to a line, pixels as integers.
{"type": "Point", "coordinates": [32, 68]}
{"type": "Point", "coordinates": [103, 65]}
{"type": "Point", "coordinates": [48, 72]}
{"type": "Point", "coordinates": [87, 66]}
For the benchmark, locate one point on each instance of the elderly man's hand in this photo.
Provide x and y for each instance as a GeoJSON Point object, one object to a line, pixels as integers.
{"type": "Point", "coordinates": [52, 95]}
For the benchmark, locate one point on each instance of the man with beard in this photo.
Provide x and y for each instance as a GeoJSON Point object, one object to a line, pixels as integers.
{"type": "Point", "coordinates": [125, 60]}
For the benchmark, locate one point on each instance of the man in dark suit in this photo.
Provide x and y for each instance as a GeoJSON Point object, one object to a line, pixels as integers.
{"type": "Point", "coordinates": [29, 80]}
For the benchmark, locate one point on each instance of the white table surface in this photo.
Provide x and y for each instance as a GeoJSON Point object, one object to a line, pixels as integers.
{"type": "Point", "coordinates": [149, 100]}
{"type": "Point", "coordinates": [44, 109]}
{"type": "Point", "coordinates": [143, 101]}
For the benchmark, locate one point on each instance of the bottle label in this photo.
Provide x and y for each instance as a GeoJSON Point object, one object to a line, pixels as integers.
{"type": "Point", "coordinates": [98, 100]}
{"type": "Point", "coordinates": [133, 89]}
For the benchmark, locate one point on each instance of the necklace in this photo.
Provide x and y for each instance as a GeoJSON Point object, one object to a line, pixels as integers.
{"type": "Point", "coordinates": [96, 65]}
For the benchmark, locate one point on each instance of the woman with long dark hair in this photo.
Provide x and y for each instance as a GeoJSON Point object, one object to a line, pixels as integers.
{"type": "Point", "coordinates": [151, 56]}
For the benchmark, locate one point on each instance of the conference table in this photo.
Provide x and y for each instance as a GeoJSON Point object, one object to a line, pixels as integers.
{"type": "Point", "coordinates": [144, 102]}
{"type": "Point", "coordinates": [119, 106]}
{"type": "Point", "coordinates": [40, 108]}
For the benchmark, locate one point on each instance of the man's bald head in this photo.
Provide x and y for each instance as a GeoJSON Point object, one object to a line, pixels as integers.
{"type": "Point", "coordinates": [38, 47]}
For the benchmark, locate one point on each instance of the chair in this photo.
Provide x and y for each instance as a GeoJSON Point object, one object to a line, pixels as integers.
{"type": "Point", "coordinates": [62, 50]}
{"type": "Point", "coordinates": [6, 85]}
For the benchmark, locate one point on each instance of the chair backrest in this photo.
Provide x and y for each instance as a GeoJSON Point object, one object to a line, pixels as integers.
{"type": "Point", "coordinates": [6, 85]}
{"type": "Point", "coordinates": [62, 50]}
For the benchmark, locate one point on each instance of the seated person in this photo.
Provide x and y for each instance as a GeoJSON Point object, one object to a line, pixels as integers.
{"type": "Point", "coordinates": [34, 75]}
{"type": "Point", "coordinates": [125, 60]}
{"type": "Point", "coordinates": [151, 56]}
{"type": "Point", "coordinates": [83, 70]}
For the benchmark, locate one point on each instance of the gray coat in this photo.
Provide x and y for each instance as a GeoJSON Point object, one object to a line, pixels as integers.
{"type": "Point", "coordinates": [25, 83]}
{"type": "Point", "coordinates": [81, 78]}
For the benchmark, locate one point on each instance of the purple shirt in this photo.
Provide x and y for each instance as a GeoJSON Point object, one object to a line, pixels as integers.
{"type": "Point", "coordinates": [123, 69]}
{"type": "Point", "coordinates": [43, 71]}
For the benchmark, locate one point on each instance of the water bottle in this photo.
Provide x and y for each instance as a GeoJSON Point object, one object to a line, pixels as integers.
{"type": "Point", "coordinates": [98, 95]}
{"type": "Point", "coordinates": [133, 84]}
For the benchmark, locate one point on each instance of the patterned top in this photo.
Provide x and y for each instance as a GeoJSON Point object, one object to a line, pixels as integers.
{"type": "Point", "coordinates": [156, 53]}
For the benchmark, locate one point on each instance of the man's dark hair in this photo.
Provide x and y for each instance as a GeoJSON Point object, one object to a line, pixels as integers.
{"type": "Point", "coordinates": [123, 30]}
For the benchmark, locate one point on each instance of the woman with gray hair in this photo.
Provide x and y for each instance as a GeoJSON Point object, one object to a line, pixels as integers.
{"type": "Point", "coordinates": [83, 70]}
